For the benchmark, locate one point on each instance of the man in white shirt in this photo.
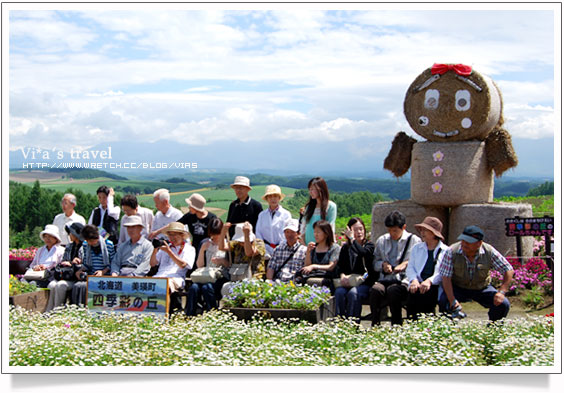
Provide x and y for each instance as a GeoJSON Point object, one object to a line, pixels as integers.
{"type": "Point", "coordinates": [166, 213]}
{"type": "Point", "coordinates": [106, 215]}
{"type": "Point", "coordinates": [131, 207]}
{"type": "Point", "coordinates": [68, 203]}
{"type": "Point", "coordinates": [271, 222]}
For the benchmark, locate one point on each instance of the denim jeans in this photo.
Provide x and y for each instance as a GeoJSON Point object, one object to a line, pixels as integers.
{"type": "Point", "coordinates": [349, 300]}
{"type": "Point", "coordinates": [483, 296]}
{"type": "Point", "coordinates": [208, 293]}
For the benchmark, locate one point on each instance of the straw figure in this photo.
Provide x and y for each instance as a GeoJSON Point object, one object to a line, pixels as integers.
{"type": "Point", "coordinates": [459, 113]}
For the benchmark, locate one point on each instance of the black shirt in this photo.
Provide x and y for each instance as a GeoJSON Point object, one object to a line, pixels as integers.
{"type": "Point", "coordinates": [358, 259]}
{"type": "Point", "coordinates": [241, 212]}
{"type": "Point", "coordinates": [198, 227]}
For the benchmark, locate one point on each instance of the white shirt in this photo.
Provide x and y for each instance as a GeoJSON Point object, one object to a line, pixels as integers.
{"type": "Point", "coordinates": [113, 211]}
{"type": "Point", "coordinates": [384, 247]}
{"type": "Point", "coordinates": [61, 220]}
{"type": "Point", "coordinates": [418, 259]}
{"type": "Point", "coordinates": [48, 258]}
{"type": "Point", "coordinates": [162, 220]}
{"type": "Point", "coordinates": [169, 268]}
{"type": "Point", "coordinates": [271, 229]}
{"type": "Point", "coordinates": [147, 220]}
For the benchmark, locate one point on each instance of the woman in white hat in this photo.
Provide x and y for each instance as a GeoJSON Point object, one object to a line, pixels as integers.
{"type": "Point", "coordinates": [423, 268]}
{"type": "Point", "coordinates": [48, 256]}
{"type": "Point", "coordinates": [271, 222]}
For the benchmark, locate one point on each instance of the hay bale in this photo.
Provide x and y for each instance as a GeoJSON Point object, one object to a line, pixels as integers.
{"type": "Point", "coordinates": [450, 174]}
{"type": "Point", "coordinates": [432, 109]}
{"type": "Point", "coordinates": [499, 151]}
{"type": "Point", "coordinates": [414, 214]}
{"type": "Point", "coordinates": [491, 218]}
{"type": "Point", "coordinates": [399, 157]}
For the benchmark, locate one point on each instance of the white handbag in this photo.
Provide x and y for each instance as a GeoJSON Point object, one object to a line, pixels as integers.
{"type": "Point", "coordinates": [204, 275]}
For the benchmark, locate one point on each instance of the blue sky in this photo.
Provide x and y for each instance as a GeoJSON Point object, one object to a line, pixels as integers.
{"type": "Point", "coordinates": [291, 74]}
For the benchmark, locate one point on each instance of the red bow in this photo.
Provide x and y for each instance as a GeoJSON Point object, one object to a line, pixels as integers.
{"type": "Point", "coordinates": [460, 69]}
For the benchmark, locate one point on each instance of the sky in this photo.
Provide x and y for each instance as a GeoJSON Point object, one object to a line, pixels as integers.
{"type": "Point", "coordinates": [310, 78]}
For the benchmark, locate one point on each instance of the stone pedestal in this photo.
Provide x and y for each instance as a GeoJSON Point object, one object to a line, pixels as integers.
{"type": "Point", "coordinates": [414, 214]}
{"type": "Point", "coordinates": [450, 174]}
{"type": "Point", "coordinates": [491, 218]}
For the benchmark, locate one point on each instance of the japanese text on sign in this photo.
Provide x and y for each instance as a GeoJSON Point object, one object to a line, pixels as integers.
{"type": "Point", "coordinates": [533, 226]}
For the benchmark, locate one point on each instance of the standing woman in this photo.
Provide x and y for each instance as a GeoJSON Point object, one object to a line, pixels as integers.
{"type": "Point", "coordinates": [319, 207]}
{"type": "Point", "coordinates": [356, 270]}
{"type": "Point", "coordinates": [423, 268]}
{"type": "Point", "coordinates": [321, 256]}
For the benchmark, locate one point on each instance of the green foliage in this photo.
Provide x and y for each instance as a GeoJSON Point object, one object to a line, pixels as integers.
{"type": "Point", "coordinates": [31, 208]}
{"type": "Point", "coordinates": [18, 287]}
{"type": "Point", "coordinates": [533, 298]}
{"type": "Point", "coordinates": [542, 205]}
{"type": "Point", "coordinates": [547, 188]}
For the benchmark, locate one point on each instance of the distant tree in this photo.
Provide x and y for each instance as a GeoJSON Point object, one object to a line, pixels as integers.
{"type": "Point", "coordinates": [546, 188]}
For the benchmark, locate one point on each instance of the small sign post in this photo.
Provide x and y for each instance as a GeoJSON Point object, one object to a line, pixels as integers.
{"type": "Point", "coordinates": [134, 295]}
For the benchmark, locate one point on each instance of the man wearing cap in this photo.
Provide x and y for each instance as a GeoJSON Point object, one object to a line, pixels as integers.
{"type": "Point", "coordinates": [289, 256]}
{"type": "Point", "coordinates": [423, 268]}
{"type": "Point", "coordinates": [174, 259]}
{"type": "Point", "coordinates": [197, 219]}
{"type": "Point", "coordinates": [68, 203]}
{"type": "Point", "coordinates": [271, 222]}
{"type": "Point", "coordinates": [165, 215]}
{"type": "Point", "coordinates": [133, 256]}
{"type": "Point", "coordinates": [465, 271]}
{"type": "Point", "coordinates": [244, 208]}
{"type": "Point", "coordinates": [131, 207]}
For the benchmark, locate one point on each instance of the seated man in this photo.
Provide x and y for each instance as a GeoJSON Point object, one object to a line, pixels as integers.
{"type": "Point", "coordinates": [465, 271]}
{"type": "Point", "coordinates": [174, 259]}
{"type": "Point", "coordinates": [391, 257]}
{"type": "Point", "coordinates": [131, 207]}
{"type": "Point", "coordinates": [289, 256]}
{"type": "Point", "coordinates": [68, 216]}
{"type": "Point", "coordinates": [271, 222]}
{"type": "Point", "coordinates": [133, 256]}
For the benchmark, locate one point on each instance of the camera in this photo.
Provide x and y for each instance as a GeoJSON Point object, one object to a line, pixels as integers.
{"type": "Point", "coordinates": [158, 243]}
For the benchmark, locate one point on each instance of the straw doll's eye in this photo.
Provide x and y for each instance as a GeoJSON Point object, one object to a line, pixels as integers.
{"type": "Point", "coordinates": [432, 99]}
{"type": "Point", "coordinates": [462, 100]}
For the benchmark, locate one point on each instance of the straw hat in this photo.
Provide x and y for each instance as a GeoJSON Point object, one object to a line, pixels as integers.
{"type": "Point", "coordinates": [52, 230]}
{"type": "Point", "coordinates": [432, 224]}
{"type": "Point", "coordinates": [273, 189]}
{"type": "Point", "coordinates": [177, 227]}
{"type": "Point", "coordinates": [242, 181]}
{"type": "Point", "coordinates": [196, 202]}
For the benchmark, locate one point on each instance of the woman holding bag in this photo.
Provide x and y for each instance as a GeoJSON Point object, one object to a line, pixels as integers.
{"type": "Point", "coordinates": [356, 270]}
{"type": "Point", "coordinates": [46, 258]}
{"type": "Point", "coordinates": [212, 257]}
{"type": "Point", "coordinates": [321, 257]}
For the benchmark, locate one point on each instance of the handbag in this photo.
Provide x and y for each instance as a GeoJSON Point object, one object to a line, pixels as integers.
{"type": "Point", "coordinates": [67, 273]}
{"type": "Point", "coordinates": [240, 271]}
{"type": "Point", "coordinates": [396, 278]}
{"type": "Point", "coordinates": [205, 275]}
{"type": "Point", "coordinates": [354, 280]}
{"type": "Point", "coordinates": [36, 275]}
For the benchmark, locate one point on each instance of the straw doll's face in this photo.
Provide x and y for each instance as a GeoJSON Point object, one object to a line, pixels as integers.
{"type": "Point", "coordinates": [447, 108]}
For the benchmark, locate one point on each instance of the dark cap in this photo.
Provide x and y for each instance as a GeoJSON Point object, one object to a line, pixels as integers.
{"type": "Point", "coordinates": [75, 229]}
{"type": "Point", "coordinates": [472, 234]}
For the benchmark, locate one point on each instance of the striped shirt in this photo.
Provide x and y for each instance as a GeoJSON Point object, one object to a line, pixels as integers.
{"type": "Point", "coordinates": [97, 260]}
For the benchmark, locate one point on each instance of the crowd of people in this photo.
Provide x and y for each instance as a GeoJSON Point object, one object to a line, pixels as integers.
{"type": "Point", "coordinates": [399, 269]}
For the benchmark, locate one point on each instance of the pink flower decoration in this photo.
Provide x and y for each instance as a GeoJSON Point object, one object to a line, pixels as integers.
{"type": "Point", "coordinates": [67, 325]}
{"type": "Point", "coordinates": [437, 171]}
{"type": "Point", "coordinates": [438, 156]}
{"type": "Point", "coordinates": [436, 187]}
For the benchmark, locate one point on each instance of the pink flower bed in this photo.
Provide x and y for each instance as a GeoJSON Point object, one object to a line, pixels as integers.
{"type": "Point", "coordinates": [534, 272]}
{"type": "Point", "coordinates": [23, 254]}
